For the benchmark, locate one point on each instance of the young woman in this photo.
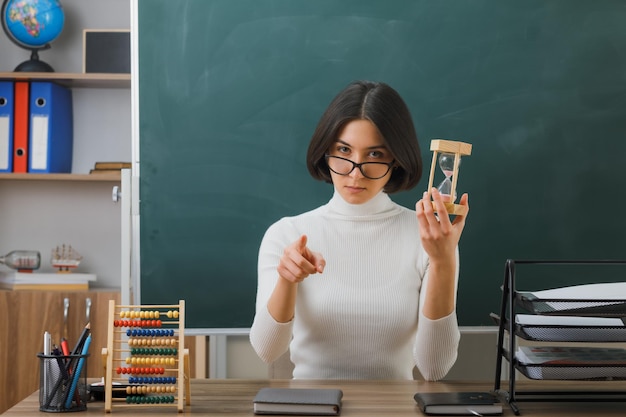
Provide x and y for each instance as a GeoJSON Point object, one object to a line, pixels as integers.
{"type": "Point", "coordinates": [361, 287]}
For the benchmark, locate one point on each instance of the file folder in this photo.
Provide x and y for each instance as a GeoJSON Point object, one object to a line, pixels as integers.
{"type": "Point", "coordinates": [20, 127]}
{"type": "Point", "coordinates": [6, 126]}
{"type": "Point", "coordinates": [51, 128]}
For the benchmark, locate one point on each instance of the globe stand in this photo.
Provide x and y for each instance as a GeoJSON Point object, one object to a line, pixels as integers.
{"type": "Point", "coordinates": [34, 64]}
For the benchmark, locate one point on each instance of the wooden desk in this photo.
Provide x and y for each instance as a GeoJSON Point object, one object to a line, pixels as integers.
{"type": "Point", "coordinates": [233, 397]}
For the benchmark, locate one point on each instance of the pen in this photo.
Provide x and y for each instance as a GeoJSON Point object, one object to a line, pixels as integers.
{"type": "Point", "coordinates": [51, 393]}
{"type": "Point", "coordinates": [57, 352]}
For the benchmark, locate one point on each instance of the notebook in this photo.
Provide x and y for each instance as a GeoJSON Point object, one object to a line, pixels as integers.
{"type": "Point", "coordinates": [298, 401]}
{"type": "Point", "coordinates": [458, 403]}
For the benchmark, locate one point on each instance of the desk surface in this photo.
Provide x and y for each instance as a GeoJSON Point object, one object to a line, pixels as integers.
{"type": "Point", "coordinates": [233, 397]}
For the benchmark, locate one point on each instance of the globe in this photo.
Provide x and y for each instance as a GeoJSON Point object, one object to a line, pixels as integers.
{"type": "Point", "coordinates": [32, 25]}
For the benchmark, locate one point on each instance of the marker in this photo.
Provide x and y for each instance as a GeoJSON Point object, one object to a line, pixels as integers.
{"type": "Point", "coordinates": [46, 352]}
{"type": "Point", "coordinates": [65, 347]}
{"type": "Point", "coordinates": [47, 345]}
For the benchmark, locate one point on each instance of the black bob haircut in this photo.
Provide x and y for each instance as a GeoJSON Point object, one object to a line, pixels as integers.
{"type": "Point", "coordinates": [383, 106]}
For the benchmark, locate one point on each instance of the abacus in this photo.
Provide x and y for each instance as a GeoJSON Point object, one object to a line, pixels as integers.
{"type": "Point", "coordinates": [145, 354]}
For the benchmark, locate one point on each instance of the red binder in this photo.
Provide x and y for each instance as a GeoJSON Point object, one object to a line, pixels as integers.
{"type": "Point", "coordinates": [20, 127]}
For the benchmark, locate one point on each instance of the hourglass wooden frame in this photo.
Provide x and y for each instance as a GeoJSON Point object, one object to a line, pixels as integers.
{"type": "Point", "coordinates": [159, 370]}
{"type": "Point", "coordinates": [459, 149]}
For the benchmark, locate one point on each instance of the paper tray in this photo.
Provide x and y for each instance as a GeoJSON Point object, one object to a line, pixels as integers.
{"type": "Point", "coordinates": [598, 300]}
{"type": "Point", "coordinates": [571, 363]}
{"type": "Point", "coordinates": [599, 308]}
{"type": "Point", "coordinates": [595, 373]}
{"type": "Point", "coordinates": [595, 300]}
{"type": "Point", "coordinates": [570, 329]}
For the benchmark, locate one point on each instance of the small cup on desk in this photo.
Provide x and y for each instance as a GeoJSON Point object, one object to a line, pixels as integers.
{"type": "Point", "coordinates": [63, 383]}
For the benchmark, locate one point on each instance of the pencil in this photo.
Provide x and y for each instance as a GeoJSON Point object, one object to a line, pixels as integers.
{"type": "Point", "coordinates": [76, 376]}
{"type": "Point", "coordinates": [85, 335]}
{"type": "Point", "coordinates": [81, 339]}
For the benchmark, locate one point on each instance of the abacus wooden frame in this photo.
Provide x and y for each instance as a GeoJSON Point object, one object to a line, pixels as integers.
{"type": "Point", "coordinates": [112, 353]}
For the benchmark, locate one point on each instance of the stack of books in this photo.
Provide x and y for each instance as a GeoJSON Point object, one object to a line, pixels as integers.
{"type": "Point", "coordinates": [13, 280]}
{"type": "Point", "coordinates": [109, 167]}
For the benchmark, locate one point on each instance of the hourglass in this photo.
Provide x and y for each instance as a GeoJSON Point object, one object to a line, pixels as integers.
{"type": "Point", "coordinates": [447, 155]}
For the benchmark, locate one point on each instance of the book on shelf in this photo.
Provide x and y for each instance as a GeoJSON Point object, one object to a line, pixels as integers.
{"type": "Point", "coordinates": [458, 403]}
{"type": "Point", "coordinates": [104, 171]}
{"type": "Point", "coordinates": [298, 401]}
{"type": "Point", "coordinates": [111, 165]}
{"type": "Point", "coordinates": [13, 280]}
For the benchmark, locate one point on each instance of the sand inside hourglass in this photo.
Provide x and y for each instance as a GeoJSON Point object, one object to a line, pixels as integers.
{"type": "Point", "coordinates": [446, 164]}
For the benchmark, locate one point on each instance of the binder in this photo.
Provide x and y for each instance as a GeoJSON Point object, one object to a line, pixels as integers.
{"type": "Point", "coordinates": [6, 126]}
{"type": "Point", "coordinates": [51, 128]}
{"type": "Point", "coordinates": [20, 127]}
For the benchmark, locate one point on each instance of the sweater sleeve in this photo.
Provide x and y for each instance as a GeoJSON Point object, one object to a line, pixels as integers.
{"type": "Point", "coordinates": [269, 338]}
{"type": "Point", "coordinates": [436, 346]}
{"type": "Point", "coordinates": [437, 341]}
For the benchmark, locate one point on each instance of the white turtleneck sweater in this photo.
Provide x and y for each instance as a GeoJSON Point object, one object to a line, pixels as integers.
{"type": "Point", "coordinates": [359, 318]}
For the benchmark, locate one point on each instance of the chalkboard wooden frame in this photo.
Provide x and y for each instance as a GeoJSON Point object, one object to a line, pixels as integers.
{"type": "Point", "coordinates": [230, 91]}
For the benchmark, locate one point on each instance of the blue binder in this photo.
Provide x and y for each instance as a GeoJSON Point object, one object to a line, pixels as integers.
{"type": "Point", "coordinates": [6, 126]}
{"type": "Point", "coordinates": [50, 128]}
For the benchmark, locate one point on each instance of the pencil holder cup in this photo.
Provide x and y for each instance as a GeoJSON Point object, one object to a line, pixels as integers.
{"type": "Point", "coordinates": [63, 383]}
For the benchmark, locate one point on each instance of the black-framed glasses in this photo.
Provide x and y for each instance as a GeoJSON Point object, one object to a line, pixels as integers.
{"type": "Point", "coordinates": [370, 170]}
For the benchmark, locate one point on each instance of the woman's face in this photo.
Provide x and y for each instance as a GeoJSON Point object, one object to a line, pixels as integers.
{"type": "Point", "coordinates": [360, 141]}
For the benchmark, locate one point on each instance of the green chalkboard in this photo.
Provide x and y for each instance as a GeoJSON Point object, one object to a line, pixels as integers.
{"type": "Point", "coordinates": [230, 92]}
